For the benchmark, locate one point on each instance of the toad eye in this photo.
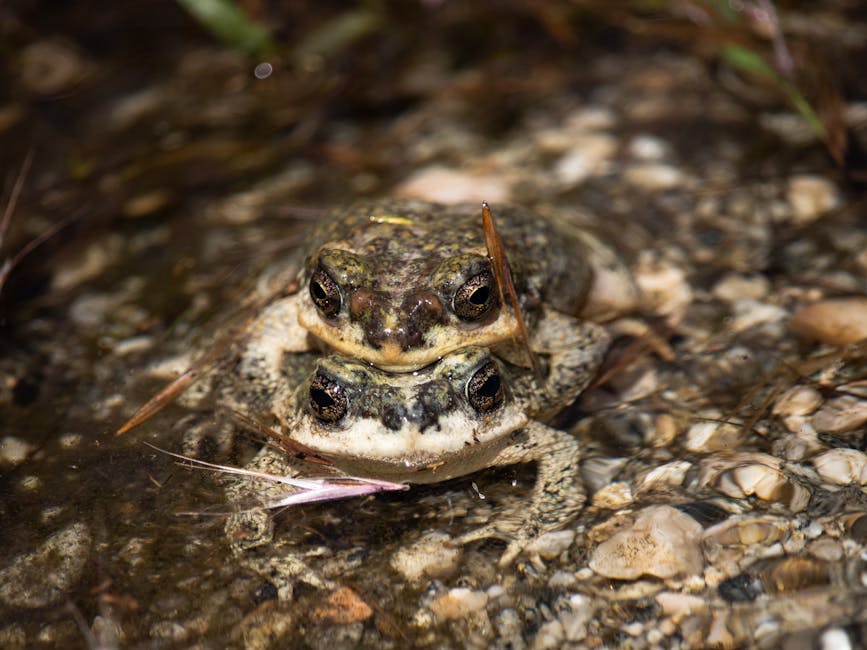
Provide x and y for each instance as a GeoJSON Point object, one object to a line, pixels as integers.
{"type": "Point", "coordinates": [475, 297]}
{"type": "Point", "coordinates": [485, 389]}
{"type": "Point", "coordinates": [325, 293]}
{"type": "Point", "coordinates": [327, 399]}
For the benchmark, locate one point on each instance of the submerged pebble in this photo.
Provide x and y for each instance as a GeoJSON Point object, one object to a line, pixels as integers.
{"type": "Point", "coordinates": [662, 542]}
{"type": "Point", "coordinates": [835, 321]}
{"type": "Point", "coordinates": [43, 576]}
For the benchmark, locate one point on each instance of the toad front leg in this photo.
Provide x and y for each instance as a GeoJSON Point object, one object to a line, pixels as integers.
{"type": "Point", "coordinates": [558, 494]}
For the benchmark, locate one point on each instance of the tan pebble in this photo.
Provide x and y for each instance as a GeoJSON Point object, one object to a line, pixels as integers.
{"type": "Point", "coordinates": [342, 606]}
{"type": "Point", "coordinates": [736, 286]}
{"type": "Point", "coordinates": [648, 147]}
{"type": "Point", "coordinates": [431, 556]}
{"type": "Point", "coordinates": [798, 400]}
{"type": "Point", "coordinates": [811, 197]}
{"type": "Point", "coordinates": [613, 292]}
{"type": "Point", "coordinates": [836, 321]}
{"type": "Point", "coordinates": [840, 414]}
{"type": "Point", "coordinates": [458, 603]}
{"type": "Point", "coordinates": [614, 496]}
{"type": "Point", "coordinates": [589, 156]}
{"type": "Point", "coordinates": [742, 475]}
{"type": "Point", "coordinates": [749, 313]}
{"type": "Point", "coordinates": [712, 436]}
{"type": "Point", "coordinates": [48, 67]}
{"type": "Point", "coordinates": [663, 287]}
{"type": "Point", "coordinates": [653, 176]}
{"type": "Point", "coordinates": [665, 430]}
{"type": "Point", "coordinates": [662, 542]}
{"type": "Point", "coordinates": [671, 474]}
{"type": "Point", "coordinates": [747, 530]}
{"type": "Point", "coordinates": [719, 635]}
{"type": "Point", "coordinates": [842, 466]}
{"type": "Point", "coordinates": [14, 450]}
{"type": "Point", "coordinates": [449, 185]}
{"type": "Point", "coordinates": [796, 573]}
{"type": "Point", "coordinates": [667, 627]}
{"type": "Point", "coordinates": [551, 545]}
{"type": "Point", "coordinates": [829, 550]}
{"type": "Point", "coordinates": [147, 204]}
{"type": "Point", "coordinates": [678, 605]}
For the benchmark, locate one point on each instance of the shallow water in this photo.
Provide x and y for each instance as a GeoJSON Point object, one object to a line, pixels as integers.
{"type": "Point", "coordinates": [183, 175]}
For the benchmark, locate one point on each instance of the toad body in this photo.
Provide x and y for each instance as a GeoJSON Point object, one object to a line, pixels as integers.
{"type": "Point", "coordinates": [400, 284]}
{"type": "Point", "coordinates": [468, 411]}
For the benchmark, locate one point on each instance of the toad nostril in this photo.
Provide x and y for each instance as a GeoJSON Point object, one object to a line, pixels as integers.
{"type": "Point", "coordinates": [361, 302]}
{"type": "Point", "coordinates": [421, 309]}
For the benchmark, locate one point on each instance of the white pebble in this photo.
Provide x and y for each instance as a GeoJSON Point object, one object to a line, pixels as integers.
{"type": "Point", "coordinates": [662, 542]}
{"type": "Point", "coordinates": [842, 466]}
{"type": "Point", "coordinates": [551, 545]}
{"type": "Point", "coordinates": [431, 556]}
{"type": "Point", "coordinates": [653, 177]}
{"type": "Point", "coordinates": [811, 197]}
{"type": "Point", "coordinates": [14, 451]}
{"type": "Point", "coordinates": [458, 603]}
{"type": "Point", "coordinates": [449, 185]}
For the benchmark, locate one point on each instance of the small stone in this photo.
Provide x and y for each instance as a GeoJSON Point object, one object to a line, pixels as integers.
{"type": "Point", "coordinates": [614, 496]}
{"type": "Point", "coordinates": [662, 542]}
{"type": "Point", "coordinates": [679, 605]}
{"type": "Point", "coordinates": [458, 603]}
{"type": "Point", "coordinates": [840, 414]}
{"type": "Point", "coordinates": [712, 436]}
{"type": "Point", "coordinates": [146, 204]}
{"type": "Point", "coordinates": [671, 474]}
{"type": "Point", "coordinates": [826, 549]}
{"type": "Point", "coordinates": [70, 440]}
{"type": "Point", "coordinates": [811, 197]}
{"type": "Point", "coordinates": [551, 545]}
{"type": "Point", "coordinates": [13, 450]}
{"type": "Point", "coordinates": [589, 156]}
{"type": "Point", "coordinates": [836, 321]}
{"type": "Point", "coordinates": [648, 148]}
{"type": "Point", "coordinates": [96, 258]}
{"type": "Point", "coordinates": [576, 612]}
{"type": "Point", "coordinates": [133, 345]}
{"type": "Point", "coordinates": [747, 474]}
{"type": "Point", "coordinates": [549, 636]}
{"type": "Point", "coordinates": [653, 176]}
{"type": "Point", "coordinates": [342, 607]}
{"type": "Point", "coordinates": [842, 466]}
{"type": "Point", "coordinates": [91, 309]}
{"type": "Point", "coordinates": [736, 286]}
{"type": "Point", "coordinates": [431, 556]}
{"type": "Point", "coordinates": [663, 287]}
{"type": "Point", "coordinates": [749, 313]}
{"type": "Point", "coordinates": [835, 638]}
{"type": "Point", "coordinates": [559, 580]}
{"type": "Point", "coordinates": [448, 185]}
{"type": "Point", "coordinates": [45, 575]}
{"type": "Point", "coordinates": [798, 400]}
{"type": "Point", "coordinates": [50, 66]}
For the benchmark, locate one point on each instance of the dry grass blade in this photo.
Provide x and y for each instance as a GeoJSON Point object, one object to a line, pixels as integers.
{"type": "Point", "coordinates": [497, 254]}
{"type": "Point", "coordinates": [285, 443]}
{"type": "Point", "coordinates": [159, 401]}
{"type": "Point", "coordinates": [304, 490]}
{"type": "Point", "coordinates": [14, 195]}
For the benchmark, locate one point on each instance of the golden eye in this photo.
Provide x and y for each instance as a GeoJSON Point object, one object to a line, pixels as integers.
{"type": "Point", "coordinates": [328, 399]}
{"type": "Point", "coordinates": [475, 297]}
{"type": "Point", "coordinates": [325, 293]}
{"type": "Point", "coordinates": [485, 390]}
